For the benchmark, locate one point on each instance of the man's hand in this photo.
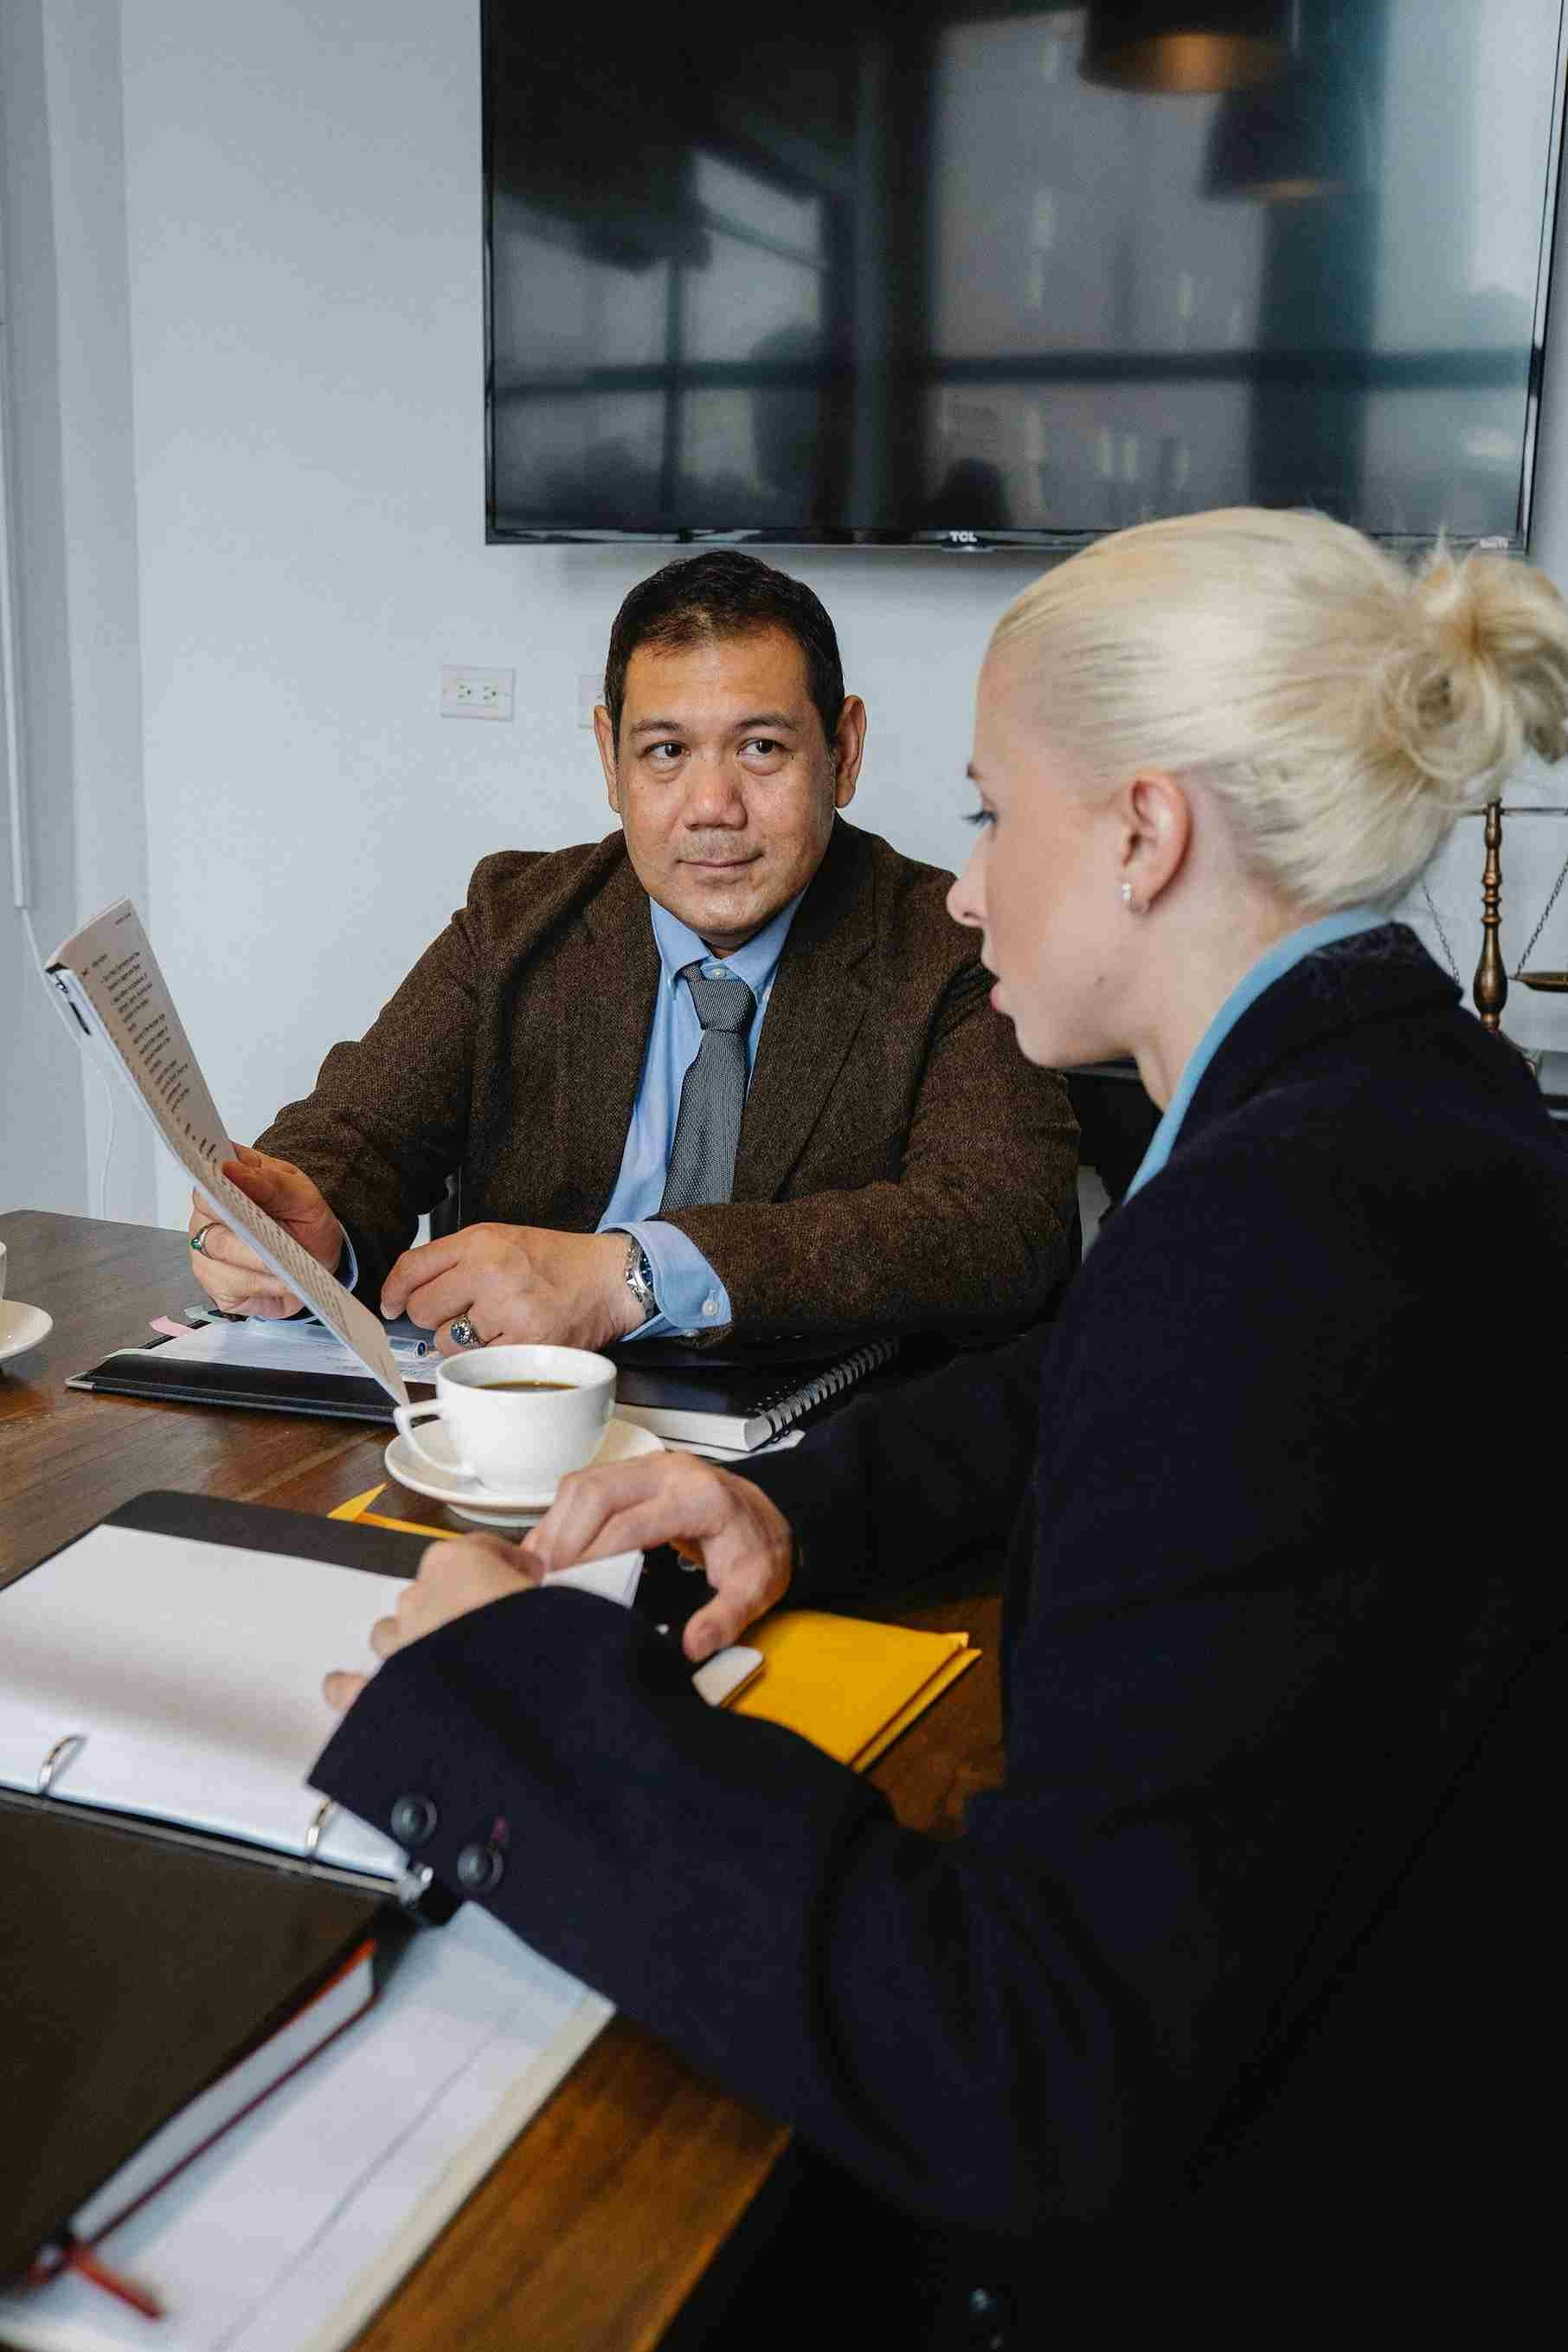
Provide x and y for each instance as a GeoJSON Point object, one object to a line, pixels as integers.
{"type": "Point", "coordinates": [740, 1538]}
{"type": "Point", "coordinates": [454, 1577]}
{"type": "Point", "coordinates": [227, 1267]}
{"type": "Point", "coordinates": [516, 1282]}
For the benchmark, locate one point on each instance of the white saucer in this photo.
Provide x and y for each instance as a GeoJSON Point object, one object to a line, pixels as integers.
{"type": "Point", "coordinates": [21, 1328]}
{"type": "Point", "coordinates": [623, 1440]}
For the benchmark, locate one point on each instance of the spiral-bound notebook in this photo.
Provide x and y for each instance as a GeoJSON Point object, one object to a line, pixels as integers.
{"type": "Point", "coordinates": [744, 1407]}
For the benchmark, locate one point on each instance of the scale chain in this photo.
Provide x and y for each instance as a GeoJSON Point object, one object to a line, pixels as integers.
{"type": "Point", "coordinates": [1541, 926]}
{"type": "Point", "coordinates": [1442, 934]}
{"type": "Point", "coordinates": [1530, 948]}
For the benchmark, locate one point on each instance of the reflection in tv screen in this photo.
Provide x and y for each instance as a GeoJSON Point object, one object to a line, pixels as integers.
{"type": "Point", "coordinates": [905, 272]}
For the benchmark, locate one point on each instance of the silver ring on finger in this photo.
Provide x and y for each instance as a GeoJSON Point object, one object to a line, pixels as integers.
{"type": "Point", "coordinates": [199, 1238]}
{"type": "Point", "coordinates": [464, 1334]}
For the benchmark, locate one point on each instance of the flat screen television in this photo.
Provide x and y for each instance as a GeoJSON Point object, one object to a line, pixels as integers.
{"type": "Point", "coordinates": [911, 273]}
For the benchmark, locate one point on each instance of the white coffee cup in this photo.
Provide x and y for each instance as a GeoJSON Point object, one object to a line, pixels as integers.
{"type": "Point", "coordinates": [517, 1441]}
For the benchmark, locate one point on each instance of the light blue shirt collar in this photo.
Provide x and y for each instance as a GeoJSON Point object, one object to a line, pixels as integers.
{"type": "Point", "coordinates": [755, 963]}
{"type": "Point", "coordinates": [1272, 965]}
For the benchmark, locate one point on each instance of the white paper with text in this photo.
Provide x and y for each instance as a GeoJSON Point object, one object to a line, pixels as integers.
{"type": "Point", "coordinates": [110, 977]}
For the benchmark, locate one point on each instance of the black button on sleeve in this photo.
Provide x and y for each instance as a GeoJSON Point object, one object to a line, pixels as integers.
{"type": "Point", "coordinates": [479, 1869]}
{"type": "Point", "coordinates": [988, 2319]}
{"type": "Point", "coordinates": [413, 1820]}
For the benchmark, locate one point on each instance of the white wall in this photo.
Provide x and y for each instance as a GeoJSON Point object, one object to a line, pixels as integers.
{"type": "Point", "coordinates": [42, 1136]}
{"type": "Point", "coordinates": [73, 512]}
{"type": "Point", "coordinates": [299, 344]}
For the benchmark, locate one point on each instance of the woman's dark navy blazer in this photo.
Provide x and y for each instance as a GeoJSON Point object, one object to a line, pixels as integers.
{"type": "Point", "coordinates": [1253, 1955]}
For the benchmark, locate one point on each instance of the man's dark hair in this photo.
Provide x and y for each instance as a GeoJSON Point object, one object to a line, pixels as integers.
{"type": "Point", "coordinates": [723, 593]}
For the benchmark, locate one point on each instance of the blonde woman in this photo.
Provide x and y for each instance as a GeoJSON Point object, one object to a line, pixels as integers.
{"type": "Point", "coordinates": [1238, 1987]}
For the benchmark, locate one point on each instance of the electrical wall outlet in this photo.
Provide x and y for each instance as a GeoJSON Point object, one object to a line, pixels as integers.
{"type": "Point", "coordinates": [476, 693]}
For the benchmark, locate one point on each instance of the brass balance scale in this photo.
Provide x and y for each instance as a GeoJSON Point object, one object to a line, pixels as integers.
{"type": "Point", "coordinates": [1489, 990]}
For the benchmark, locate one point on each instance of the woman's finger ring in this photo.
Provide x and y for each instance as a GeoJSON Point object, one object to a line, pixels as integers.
{"type": "Point", "coordinates": [464, 1334]}
{"type": "Point", "coordinates": [199, 1238]}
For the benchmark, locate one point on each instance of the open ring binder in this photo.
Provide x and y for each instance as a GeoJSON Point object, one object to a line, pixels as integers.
{"type": "Point", "coordinates": [59, 1757]}
{"type": "Point", "coordinates": [65, 1749]}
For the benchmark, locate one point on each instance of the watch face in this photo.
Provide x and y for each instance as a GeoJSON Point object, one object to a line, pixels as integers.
{"type": "Point", "coordinates": [640, 1278]}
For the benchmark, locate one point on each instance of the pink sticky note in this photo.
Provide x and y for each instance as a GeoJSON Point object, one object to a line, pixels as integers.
{"type": "Point", "coordinates": [170, 1330]}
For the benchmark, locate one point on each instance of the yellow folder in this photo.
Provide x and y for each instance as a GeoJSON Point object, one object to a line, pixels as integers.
{"type": "Point", "coordinates": [358, 1507]}
{"type": "Point", "coordinates": [847, 1685]}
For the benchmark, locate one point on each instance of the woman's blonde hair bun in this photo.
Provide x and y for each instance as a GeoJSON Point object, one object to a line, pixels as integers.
{"type": "Point", "coordinates": [1343, 709]}
{"type": "Point", "coordinates": [1479, 674]}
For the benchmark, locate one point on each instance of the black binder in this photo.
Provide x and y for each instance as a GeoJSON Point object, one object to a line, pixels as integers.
{"type": "Point", "coordinates": [673, 1389]}
{"type": "Point", "coordinates": [147, 1372]}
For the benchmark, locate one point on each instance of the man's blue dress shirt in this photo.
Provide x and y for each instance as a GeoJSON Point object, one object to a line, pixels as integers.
{"type": "Point", "coordinates": [690, 1295]}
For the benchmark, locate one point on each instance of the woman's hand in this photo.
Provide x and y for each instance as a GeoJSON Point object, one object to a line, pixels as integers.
{"type": "Point", "coordinates": [454, 1577]}
{"type": "Point", "coordinates": [741, 1539]}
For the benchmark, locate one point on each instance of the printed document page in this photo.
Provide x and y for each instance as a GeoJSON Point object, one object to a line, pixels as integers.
{"type": "Point", "coordinates": [297, 1346]}
{"type": "Point", "coordinates": [110, 977]}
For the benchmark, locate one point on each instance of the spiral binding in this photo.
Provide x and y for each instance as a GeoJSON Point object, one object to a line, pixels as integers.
{"type": "Point", "coordinates": [785, 1405]}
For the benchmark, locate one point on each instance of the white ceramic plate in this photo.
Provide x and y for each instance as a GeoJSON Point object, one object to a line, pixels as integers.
{"type": "Point", "coordinates": [623, 1440]}
{"type": "Point", "coordinates": [21, 1328]}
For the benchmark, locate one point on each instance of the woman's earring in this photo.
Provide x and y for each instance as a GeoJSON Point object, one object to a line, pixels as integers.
{"type": "Point", "coordinates": [1127, 897]}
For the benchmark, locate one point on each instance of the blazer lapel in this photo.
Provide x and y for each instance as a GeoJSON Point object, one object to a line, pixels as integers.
{"type": "Point", "coordinates": [817, 1007]}
{"type": "Point", "coordinates": [604, 980]}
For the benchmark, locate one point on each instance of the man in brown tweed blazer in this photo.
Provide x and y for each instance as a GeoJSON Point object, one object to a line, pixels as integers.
{"type": "Point", "coordinates": [898, 1165]}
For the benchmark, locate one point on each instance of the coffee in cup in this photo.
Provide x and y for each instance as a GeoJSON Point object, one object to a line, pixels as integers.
{"type": "Point", "coordinates": [517, 1419]}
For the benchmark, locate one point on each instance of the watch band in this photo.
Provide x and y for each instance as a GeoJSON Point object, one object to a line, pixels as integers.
{"type": "Point", "coordinates": [640, 1277]}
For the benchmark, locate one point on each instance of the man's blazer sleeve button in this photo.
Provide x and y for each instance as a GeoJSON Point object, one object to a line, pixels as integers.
{"type": "Point", "coordinates": [413, 1820]}
{"type": "Point", "coordinates": [479, 1869]}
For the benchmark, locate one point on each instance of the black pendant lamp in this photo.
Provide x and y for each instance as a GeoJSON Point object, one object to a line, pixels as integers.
{"type": "Point", "coordinates": [1303, 137]}
{"type": "Point", "coordinates": [1164, 44]}
{"type": "Point", "coordinates": [1288, 145]}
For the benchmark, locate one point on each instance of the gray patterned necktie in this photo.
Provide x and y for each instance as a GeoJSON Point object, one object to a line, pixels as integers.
{"type": "Point", "coordinates": [713, 1094]}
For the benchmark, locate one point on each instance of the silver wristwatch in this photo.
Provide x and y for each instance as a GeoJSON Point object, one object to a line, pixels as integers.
{"type": "Point", "coordinates": [640, 1277]}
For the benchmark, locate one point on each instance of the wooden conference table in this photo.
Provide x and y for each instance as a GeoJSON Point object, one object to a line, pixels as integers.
{"type": "Point", "coordinates": [598, 2223]}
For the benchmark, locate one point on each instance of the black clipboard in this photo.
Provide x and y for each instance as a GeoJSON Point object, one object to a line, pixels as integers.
{"type": "Point", "coordinates": [144, 1372]}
